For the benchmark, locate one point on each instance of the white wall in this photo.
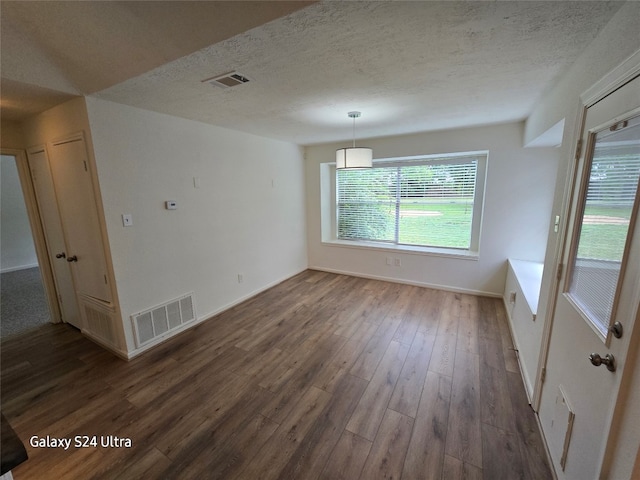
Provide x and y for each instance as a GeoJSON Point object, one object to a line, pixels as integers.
{"type": "Point", "coordinates": [519, 190]}
{"type": "Point", "coordinates": [11, 135]}
{"type": "Point", "coordinates": [616, 42]}
{"type": "Point", "coordinates": [247, 216]}
{"type": "Point", "coordinates": [16, 242]}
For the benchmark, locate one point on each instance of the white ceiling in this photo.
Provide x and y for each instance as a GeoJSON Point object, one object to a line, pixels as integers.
{"type": "Point", "coordinates": [408, 66]}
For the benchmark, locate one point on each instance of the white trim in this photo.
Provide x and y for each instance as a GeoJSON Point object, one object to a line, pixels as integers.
{"type": "Point", "coordinates": [113, 349]}
{"type": "Point", "coordinates": [410, 249]}
{"type": "Point", "coordinates": [433, 156]}
{"type": "Point", "coordinates": [329, 202]}
{"type": "Point", "coordinates": [529, 277]}
{"type": "Point", "coordinates": [620, 75]}
{"type": "Point", "coordinates": [567, 198]}
{"type": "Point", "coordinates": [19, 267]}
{"type": "Point", "coordinates": [528, 384]}
{"type": "Point", "coordinates": [84, 135]}
{"type": "Point", "coordinates": [434, 286]}
{"type": "Point", "coordinates": [449, 158]}
{"type": "Point", "coordinates": [37, 231]}
{"type": "Point", "coordinates": [613, 80]}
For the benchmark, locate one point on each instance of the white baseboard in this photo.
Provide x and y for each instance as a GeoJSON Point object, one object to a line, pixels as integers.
{"type": "Point", "coordinates": [107, 346]}
{"type": "Point", "coordinates": [528, 386]}
{"type": "Point", "coordinates": [19, 267]}
{"type": "Point", "coordinates": [250, 295]}
{"type": "Point", "coordinates": [201, 318]}
{"type": "Point", "coordinates": [435, 286]}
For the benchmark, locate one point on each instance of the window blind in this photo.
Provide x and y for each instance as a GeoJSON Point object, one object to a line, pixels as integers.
{"type": "Point", "coordinates": [421, 203]}
{"type": "Point", "coordinates": [606, 215]}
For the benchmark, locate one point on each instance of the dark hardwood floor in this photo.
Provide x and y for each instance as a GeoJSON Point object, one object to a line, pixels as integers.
{"type": "Point", "coordinates": [321, 377]}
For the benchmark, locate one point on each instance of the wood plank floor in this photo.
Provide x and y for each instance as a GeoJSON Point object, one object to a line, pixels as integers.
{"type": "Point", "coordinates": [321, 377]}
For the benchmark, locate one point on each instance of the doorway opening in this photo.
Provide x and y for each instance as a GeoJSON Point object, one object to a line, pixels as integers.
{"type": "Point", "coordinates": [23, 298]}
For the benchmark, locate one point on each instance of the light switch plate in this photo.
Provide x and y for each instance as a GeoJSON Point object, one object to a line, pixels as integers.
{"type": "Point", "coordinates": [127, 219]}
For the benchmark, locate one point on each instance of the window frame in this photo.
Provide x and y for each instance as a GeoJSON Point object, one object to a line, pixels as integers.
{"type": "Point", "coordinates": [329, 206]}
{"type": "Point", "coordinates": [601, 330]}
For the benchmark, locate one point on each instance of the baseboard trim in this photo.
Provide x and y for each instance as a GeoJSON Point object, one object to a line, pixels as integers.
{"type": "Point", "coordinates": [116, 351]}
{"type": "Point", "coordinates": [447, 288]}
{"type": "Point", "coordinates": [528, 386]}
{"type": "Point", "coordinates": [207, 316]}
{"type": "Point", "coordinates": [529, 395]}
{"type": "Point", "coordinates": [21, 267]}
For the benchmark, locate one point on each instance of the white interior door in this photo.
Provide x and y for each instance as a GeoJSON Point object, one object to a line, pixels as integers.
{"type": "Point", "coordinates": [79, 214]}
{"type": "Point", "coordinates": [50, 217]}
{"type": "Point", "coordinates": [600, 285]}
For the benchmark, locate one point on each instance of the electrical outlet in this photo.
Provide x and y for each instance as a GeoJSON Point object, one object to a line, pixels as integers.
{"type": "Point", "coordinates": [397, 262]}
{"type": "Point", "coordinates": [240, 278]}
{"type": "Point", "coordinates": [389, 261]}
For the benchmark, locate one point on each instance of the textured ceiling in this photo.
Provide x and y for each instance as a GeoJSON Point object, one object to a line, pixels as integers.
{"type": "Point", "coordinates": [408, 66]}
{"type": "Point", "coordinates": [82, 47]}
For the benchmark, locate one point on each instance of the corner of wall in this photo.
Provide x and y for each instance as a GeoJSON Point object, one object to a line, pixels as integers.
{"type": "Point", "coordinates": [11, 135]}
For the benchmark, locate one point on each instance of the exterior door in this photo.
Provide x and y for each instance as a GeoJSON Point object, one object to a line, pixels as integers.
{"type": "Point", "coordinates": [79, 215]}
{"type": "Point", "coordinates": [56, 248]}
{"type": "Point", "coordinates": [599, 288]}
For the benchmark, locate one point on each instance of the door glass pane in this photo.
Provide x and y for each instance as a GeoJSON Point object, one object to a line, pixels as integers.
{"type": "Point", "coordinates": [606, 215]}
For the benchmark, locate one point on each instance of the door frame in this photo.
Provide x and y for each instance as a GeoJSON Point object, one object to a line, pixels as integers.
{"type": "Point", "coordinates": [619, 76]}
{"type": "Point", "coordinates": [37, 232]}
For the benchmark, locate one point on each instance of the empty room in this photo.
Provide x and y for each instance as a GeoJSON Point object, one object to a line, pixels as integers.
{"type": "Point", "coordinates": [320, 240]}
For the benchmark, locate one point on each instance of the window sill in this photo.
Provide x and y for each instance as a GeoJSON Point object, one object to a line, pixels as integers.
{"type": "Point", "coordinates": [413, 250]}
{"type": "Point", "coordinates": [529, 277]}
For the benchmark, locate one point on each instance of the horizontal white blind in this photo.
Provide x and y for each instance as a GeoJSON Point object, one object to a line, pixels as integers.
{"type": "Point", "coordinates": [366, 204]}
{"type": "Point", "coordinates": [614, 173]}
{"type": "Point", "coordinates": [427, 203]}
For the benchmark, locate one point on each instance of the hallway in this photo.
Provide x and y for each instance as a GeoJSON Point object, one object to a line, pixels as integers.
{"type": "Point", "coordinates": [23, 304]}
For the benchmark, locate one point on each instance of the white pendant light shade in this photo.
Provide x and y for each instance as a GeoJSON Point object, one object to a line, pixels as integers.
{"type": "Point", "coordinates": [354, 157]}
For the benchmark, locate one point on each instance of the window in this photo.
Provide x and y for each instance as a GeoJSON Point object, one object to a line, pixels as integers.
{"type": "Point", "coordinates": [608, 202]}
{"type": "Point", "coordinates": [421, 202]}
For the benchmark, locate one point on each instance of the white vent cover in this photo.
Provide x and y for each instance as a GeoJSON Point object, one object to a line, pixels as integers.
{"type": "Point", "coordinates": [158, 321]}
{"type": "Point", "coordinates": [230, 79]}
{"type": "Point", "coordinates": [99, 323]}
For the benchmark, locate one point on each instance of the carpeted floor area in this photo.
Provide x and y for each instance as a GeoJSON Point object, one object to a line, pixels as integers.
{"type": "Point", "coordinates": [23, 302]}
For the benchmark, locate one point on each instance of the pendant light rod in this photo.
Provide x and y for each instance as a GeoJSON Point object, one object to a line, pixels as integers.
{"type": "Point", "coordinates": [354, 115]}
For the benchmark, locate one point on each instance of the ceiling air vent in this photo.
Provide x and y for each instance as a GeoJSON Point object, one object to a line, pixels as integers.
{"type": "Point", "coordinates": [230, 79]}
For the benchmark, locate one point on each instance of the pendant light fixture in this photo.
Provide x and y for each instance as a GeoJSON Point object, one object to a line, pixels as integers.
{"type": "Point", "coordinates": [354, 157]}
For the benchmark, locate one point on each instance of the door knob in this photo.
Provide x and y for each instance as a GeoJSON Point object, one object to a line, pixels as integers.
{"type": "Point", "coordinates": [72, 259]}
{"type": "Point", "coordinates": [608, 360]}
{"type": "Point", "coordinates": [61, 255]}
